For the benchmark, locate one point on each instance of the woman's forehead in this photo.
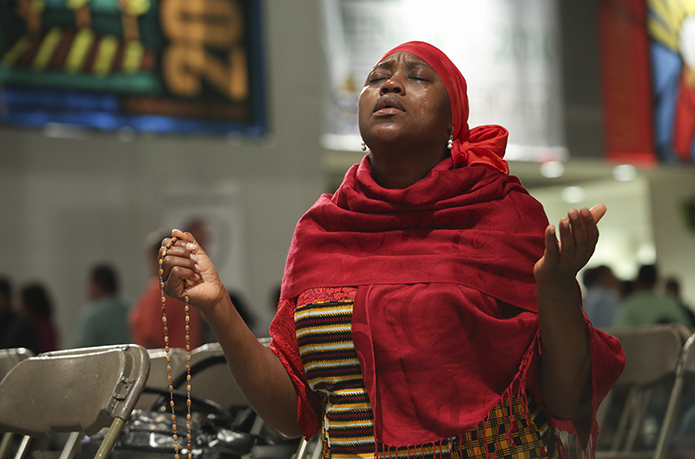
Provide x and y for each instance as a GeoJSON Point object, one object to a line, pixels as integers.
{"type": "Point", "coordinates": [409, 59]}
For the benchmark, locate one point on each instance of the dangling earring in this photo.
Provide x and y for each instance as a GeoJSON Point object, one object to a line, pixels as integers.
{"type": "Point", "coordinates": [364, 146]}
{"type": "Point", "coordinates": [450, 143]}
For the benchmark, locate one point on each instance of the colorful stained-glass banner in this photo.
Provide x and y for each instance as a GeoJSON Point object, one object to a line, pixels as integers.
{"type": "Point", "coordinates": [648, 67]}
{"type": "Point", "coordinates": [150, 65]}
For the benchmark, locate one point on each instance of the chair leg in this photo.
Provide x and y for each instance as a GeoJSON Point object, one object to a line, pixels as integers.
{"type": "Point", "coordinates": [72, 446]}
{"type": "Point", "coordinates": [5, 444]}
{"type": "Point", "coordinates": [23, 447]}
{"type": "Point", "coordinates": [110, 439]}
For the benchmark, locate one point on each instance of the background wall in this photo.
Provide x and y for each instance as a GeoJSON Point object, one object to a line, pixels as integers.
{"type": "Point", "coordinates": [82, 197]}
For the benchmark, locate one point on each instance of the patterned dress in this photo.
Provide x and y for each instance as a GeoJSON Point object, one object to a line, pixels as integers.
{"type": "Point", "coordinates": [323, 326]}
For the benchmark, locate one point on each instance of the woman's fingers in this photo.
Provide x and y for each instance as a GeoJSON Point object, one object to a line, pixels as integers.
{"type": "Point", "coordinates": [598, 211]}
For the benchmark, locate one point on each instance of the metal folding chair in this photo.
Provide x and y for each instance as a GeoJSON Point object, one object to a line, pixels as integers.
{"type": "Point", "coordinates": [685, 371]}
{"type": "Point", "coordinates": [79, 391]}
{"type": "Point", "coordinates": [8, 359]}
{"type": "Point", "coordinates": [11, 357]}
{"type": "Point", "coordinates": [652, 355]}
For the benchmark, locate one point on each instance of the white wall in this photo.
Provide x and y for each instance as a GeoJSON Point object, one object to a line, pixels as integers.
{"type": "Point", "coordinates": [674, 242]}
{"type": "Point", "coordinates": [66, 203]}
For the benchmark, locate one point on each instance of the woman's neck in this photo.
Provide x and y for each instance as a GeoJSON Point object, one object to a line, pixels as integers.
{"type": "Point", "coordinates": [399, 170]}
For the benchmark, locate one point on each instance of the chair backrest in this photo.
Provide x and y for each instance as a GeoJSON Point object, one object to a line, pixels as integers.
{"type": "Point", "coordinates": [11, 357]}
{"type": "Point", "coordinates": [159, 373]}
{"type": "Point", "coordinates": [212, 379]}
{"type": "Point", "coordinates": [651, 352]}
{"type": "Point", "coordinates": [76, 390]}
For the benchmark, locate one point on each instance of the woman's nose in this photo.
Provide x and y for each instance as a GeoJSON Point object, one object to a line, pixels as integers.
{"type": "Point", "coordinates": [394, 85]}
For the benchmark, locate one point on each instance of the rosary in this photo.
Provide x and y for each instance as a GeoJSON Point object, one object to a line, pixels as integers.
{"type": "Point", "coordinates": [168, 358]}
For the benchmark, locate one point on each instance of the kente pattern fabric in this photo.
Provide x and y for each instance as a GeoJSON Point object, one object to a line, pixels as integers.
{"type": "Point", "coordinates": [449, 256]}
{"type": "Point", "coordinates": [325, 344]}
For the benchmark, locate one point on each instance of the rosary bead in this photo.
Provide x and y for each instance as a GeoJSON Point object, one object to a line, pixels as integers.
{"type": "Point", "coordinates": [173, 416]}
{"type": "Point", "coordinates": [170, 379]}
{"type": "Point", "coordinates": [176, 437]}
{"type": "Point", "coordinates": [171, 403]}
{"type": "Point", "coordinates": [174, 427]}
{"type": "Point", "coordinates": [164, 319]}
{"type": "Point", "coordinates": [161, 272]}
{"type": "Point", "coordinates": [168, 358]}
{"type": "Point", "coordinates": [164, 300]}
{"type": "Point", "coordinates": [176, 448]}
{"type": "Point", "coordinates": [161, 285]}
{"type": "Point", "coordinates": [188, 388]}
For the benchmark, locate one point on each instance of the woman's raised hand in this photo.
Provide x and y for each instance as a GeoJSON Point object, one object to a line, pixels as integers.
{"type": "Point", "coordinates": [187, 265]}
{"type": "Point", "coordinates": [578, 233]}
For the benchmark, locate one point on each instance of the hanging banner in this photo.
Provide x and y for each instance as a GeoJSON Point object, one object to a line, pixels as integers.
{"type": "Point", "coordinates": [508, 51]}
{"type": "Point", "coordinates": [648, 67]}
{"type": "Point", "coordinates": [150, 65]}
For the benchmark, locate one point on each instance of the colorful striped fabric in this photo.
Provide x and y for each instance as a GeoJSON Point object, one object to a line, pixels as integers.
{"type": "Point", "coordinates": [323, 325]}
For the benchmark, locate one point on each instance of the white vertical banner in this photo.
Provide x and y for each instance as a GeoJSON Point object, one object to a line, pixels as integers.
{"type": "Point", "coordinates": [508, 51]}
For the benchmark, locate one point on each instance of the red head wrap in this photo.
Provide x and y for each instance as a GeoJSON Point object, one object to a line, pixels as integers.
{"type": "Point", "coordinates": [481, 145]}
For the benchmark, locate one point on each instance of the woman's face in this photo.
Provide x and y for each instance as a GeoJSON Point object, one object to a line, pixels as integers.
{"type": "Point", "coordinates": [404, 101]}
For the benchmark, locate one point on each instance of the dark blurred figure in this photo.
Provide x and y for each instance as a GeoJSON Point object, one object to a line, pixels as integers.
{"type": "Point", "coordinates": [104, 319]}
{"type": "Point", "coordinates": [602, 299]}
{"type": "Point", "coordinates": [145, 319]}
{"type": "Point", "coordinates": [647, 306]}
{"type": "Point", "coordinates": [37, 307]}
{"type": "Point", "coordinates": [672, 287]}
{"type": "Point", "coordinates": [15, 330]}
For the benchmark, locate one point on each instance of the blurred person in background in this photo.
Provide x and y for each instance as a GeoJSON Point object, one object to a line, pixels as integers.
{"type": "Point", "coordinates": [648, 306]}
{"type": "Point", "coordinates": [15, 330]}
{"type": "Point", "coordinates": [602, 298]}
{"type": "Point", "coordinates": [672, 287]}
{"type": "Point", "coordinates": [36, 306]}
{"type": "Point", "coordinates": [104, 319]}
{"type": "Point", "coordinates": [145, 319]}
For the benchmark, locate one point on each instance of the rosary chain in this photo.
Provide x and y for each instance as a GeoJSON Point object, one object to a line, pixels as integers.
{"type": "Point", "coordinates": [170, 378]}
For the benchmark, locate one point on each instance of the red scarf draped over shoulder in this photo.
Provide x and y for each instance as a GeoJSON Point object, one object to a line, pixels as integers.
{"type": "Point", "coordinates": [431, 262]}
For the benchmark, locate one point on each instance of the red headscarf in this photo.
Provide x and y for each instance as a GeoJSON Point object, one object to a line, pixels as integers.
{"type": "Point", "coordinates": [483, 145]}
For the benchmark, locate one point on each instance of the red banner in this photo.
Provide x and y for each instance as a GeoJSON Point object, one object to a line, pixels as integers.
{"type": "Point", "coordinates": [627, 93]}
